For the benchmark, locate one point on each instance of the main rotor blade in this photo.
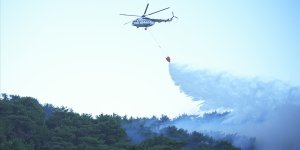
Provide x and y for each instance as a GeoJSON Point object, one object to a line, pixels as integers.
{"type": "Point", "coordinates": [127, 22]}
{"type": "Point", "coordinates": [146, 9]}
{"type": "Point", "coordinates": [157, 11]}
{"type": "Point", "coordinates": [130, 15]}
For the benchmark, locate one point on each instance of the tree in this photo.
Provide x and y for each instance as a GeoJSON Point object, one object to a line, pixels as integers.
{"type": "Point", "coordinates": [161, 142]}
{"type": "Point", "coordinates": [25, 124]}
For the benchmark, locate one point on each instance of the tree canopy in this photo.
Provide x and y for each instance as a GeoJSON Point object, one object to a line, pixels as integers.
{"type": "Point", "coordinates": [26, 124]}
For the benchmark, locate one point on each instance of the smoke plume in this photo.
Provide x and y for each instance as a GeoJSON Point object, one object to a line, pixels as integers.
{"type": "Point", "coordinates": [266, 110]}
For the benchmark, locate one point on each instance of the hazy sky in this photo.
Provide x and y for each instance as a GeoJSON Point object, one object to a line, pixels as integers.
{"type": "Point", "coordinates": [80, 55]}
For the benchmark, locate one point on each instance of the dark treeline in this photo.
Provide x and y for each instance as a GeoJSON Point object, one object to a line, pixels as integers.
{"type": "Point", "coordinates": [25, 124]}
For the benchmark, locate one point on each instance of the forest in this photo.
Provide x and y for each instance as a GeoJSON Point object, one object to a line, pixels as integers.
{"type": "Point", "coordinates": [25, 124]}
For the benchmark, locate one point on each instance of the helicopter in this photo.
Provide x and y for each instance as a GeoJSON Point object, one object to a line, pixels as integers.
{"type": "Point", "coordinates": [144, 21]}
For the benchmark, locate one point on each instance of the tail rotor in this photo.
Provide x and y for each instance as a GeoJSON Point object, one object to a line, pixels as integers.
{"type": "Point", "coordinates": [173, 16]}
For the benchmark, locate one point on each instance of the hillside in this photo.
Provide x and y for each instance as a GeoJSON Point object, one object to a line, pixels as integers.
{"type": "Point", "coordinates": [26, 124]}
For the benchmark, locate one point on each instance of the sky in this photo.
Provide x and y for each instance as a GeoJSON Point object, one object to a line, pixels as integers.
{"type": "Point", "coordinates": [79, 54]}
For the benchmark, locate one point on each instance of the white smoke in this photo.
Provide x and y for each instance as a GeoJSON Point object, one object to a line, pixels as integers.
{"type": "Point", "coordinates": [266, 110]}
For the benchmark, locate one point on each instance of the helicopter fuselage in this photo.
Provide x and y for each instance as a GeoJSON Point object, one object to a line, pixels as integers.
{"type": "Point", "coordinates": [146, 22]}
{"type": "Point", "coordinates": [143, 22]}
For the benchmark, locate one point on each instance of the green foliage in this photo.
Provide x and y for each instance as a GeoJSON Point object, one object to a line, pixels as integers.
{"type": "Point", "coordinates": [161, 143]}
{"type": "Point", "coordinates": [27, 125]}
{"type": "Point", "coordinates": [224, 145]}
{"type": "Point", "coordinates": [22, 120]}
